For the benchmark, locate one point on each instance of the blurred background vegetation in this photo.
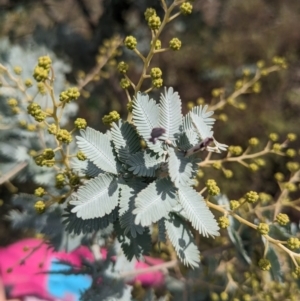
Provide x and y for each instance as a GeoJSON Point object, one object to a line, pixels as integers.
{"type": "Point", "coordinates": [219, 40]}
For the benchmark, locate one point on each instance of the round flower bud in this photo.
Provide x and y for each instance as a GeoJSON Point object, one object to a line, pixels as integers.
{"type": "Point", "coordinates": [279, 176]}
{"type": "Point", "coordinates": [238, 84]}
{"type": "Point", "coordinates": [60, 180]}
{"type": "Point", "coordinates": [69, 95]}
{"type": "Point", "coordinates": [40, 74]}
{"type": "Point", "coordinates": [186, 8]}
{"type": "Point", "coordinates": [260, 64]}
{"type": "Point", "coordinates": [264, 197]}
{"type": "Point", "coordinates": [42, 88]}
{"type": "Point", "coordinates": [223, 222]}
{"type": "Point", "coordinates": [48, 154]}
{"type": "Point", "coordinates": [264, 264]}
{"type": "Point", "coordinates": [217, 165]}
{"type": "Point", "coordinates": [213, 190]}
{"type": "Point", "coordinates": [291, 153]}
{"type": "Point", "coordinates": [44, 62]}
{"type": "Point", "coordinates": [31, 127]}
{"type": "Point", "coordinates": [28, 83]}
{"type": "Point", "coordinates": [157, 83]}
{"type": "Point", "coordinates": [124, 83]}
{"type": "Point", "coordinates": [297, 272]}
{"type": "Point", "coordinates": [130, 42]}
{"type": "Point", "coordinates": [155, 73]}
{"type": "Point", "coordinates": [251, 197]}
{"type": "Point", "coordinates": [293, 166]}
{"type": "Point", "coordinates": [277, 147]}
{"type": "Point", "coordinates": [12, 102]}
{"type": "Point", "coordinates": [234, 204]}
{"type": "Point", "coordinates": [223, 117]}
{"type": "Point", "coordinates": [235, 150]}
{"type": "Point", "coordinates": [111, 117]}
{"type": "Point", "coordinates": [149, 13]}
{"type": "Point", "coordinates": [157, 45]}
{"type": "Point", "coordinates": [52, 129]}
{"type": "Point", "coordinates": [291, 136]}
{"type": "Point", "coordinates": [253, 141]}
{"type": "Point", "coordinates": [129, 106]}
{"type": "Point", "coordinates": [282, 219]}
{"type": "Point", "coordinates": [40, 116]}
{"type": "Point", "coordinates": [224, 296]}
{"type": "Point", "coordinates": [274, 137]}
{"type": "Point", "coordinates": [228, 173]}
{"type": "Point", "coordinates": [17, 70]}
{"type": "Point", "coordinates": [40, 206]}
{"type": "Point", "coordinates": [291, 187]}
{"type": "Point", "coordinates": [81, 156]}
{"type": "Point", "coordinates": [33, 108]}
{"type": "Point", "coordinates": [263, 228]}
{"type": "Point", "coordinates": [253, 167]}
{"type": "Point", "coordinates": [154, 22]}
{"type": "Point", "coordinates": [175, 44]}
{"type": "Point", "coordinates": [256, 88]}
{"type": "Point", "coordinates": [39, 192]}
{"type": "Point", "coordinates": [80, 123]}
{"type": "Point", "coordinates": [293, 243]}
{"type": "Point", "coordinates": [64, 136]}
{"type": "Point", "coordinates": [122, 67]}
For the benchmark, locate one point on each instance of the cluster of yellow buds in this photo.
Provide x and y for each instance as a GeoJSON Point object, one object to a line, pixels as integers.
{"type": "Point", "coordinates": [223, 222]}
{"type": "Point", "coordinates": [156, 75]}
{"type": "Point", "coordinates": [293, 243]}
{"type": "Point", "coordinates": [282, 219]}
{"type": "Point", "coordinates": [212, 187]}
{"type": "Point", "coordinates": [36, 112]}
{"type": "Point", "coordinates": [263, 228]}
{"type": "Point", "coordinates": [264, 264]}
{"type": "Point", "coordinates": [13, 103]}
{"type": "Point", "coordinates": [251, 197]}
{"type": "Point", "coordinates": [59, 180]}
{"type": "Point", "coordinates": [69, 95]}
{"type": "Point", "coordinates": [81, 156]}
{"type": "Point", "coordinates": [175, 44]}
{"type": "Point", "coordinates": [41, 71]}
{"type": "Point", "coordinates": [64, 136]}
{"type": "Point", "coordinates": [111, 117]}
{"type": "Point", "coordinates": [124, 83]}
{"type": "Point", "coordinates": [292, 166]}
{"type": "Point", "coordinates": [234, 204]}
{"type": "Point", "coordinates": [40, 206]}
{"type": "Point", "coordinates": [253, 141]}
{"type": "Point", "coordinates": [186, 8]}
{"type": "Point", "coordinates": [235, 150]}
{"type": "Point", "coordinates": [130, 42]}
{"type": "Point", "coordinates": [152, 18]}
{"type": "Point", "coordinates": [46, 158]}
{"type": "Point", "coordinates": [80, 123]}
{"type": "Point", "coordinates": [122, 67]}
{"type": "Point", "coordinates": [40, 191]}
{"type": "Point", "coordinates": [280, 61]}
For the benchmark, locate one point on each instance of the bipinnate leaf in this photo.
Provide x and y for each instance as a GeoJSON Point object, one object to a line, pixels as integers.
{"type": "Point", "coordinates": [170, 117]}
{"type": "Point", "coordinates": [145, 114]}
{"type": "Point", "coordinates": [154, 202]}
{"type": "Point", "coordinates": [144, 163]}
{"type": "Point", "coordinates": [202, 113]}
{"type": "Point", "coordinates": [125, 139]}
{"type": "Point", "coordinates": [127, 221]}
{"type": "Point", "coordinates": [78, 225]}
{"type": "Point", "coordinates": [197, 211]}
{"type": "Point", "coordinates": [203, 130]}
{"type": "Point", "coordinates": [161, 230]}
{"type": "Point", "coordinates": [180, 168]}
{"type": "Point", "coordinates": [96, 198]}
{"type": "Point", "coordinates": [98, 149]}
{"type": "Point", "coordinates": [182, 240]}
{"type": "Point", "coordinates": [128, 192]}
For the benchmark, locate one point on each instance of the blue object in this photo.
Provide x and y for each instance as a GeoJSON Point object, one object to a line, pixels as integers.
{"type": "Point", "coordinates": [62, 284]}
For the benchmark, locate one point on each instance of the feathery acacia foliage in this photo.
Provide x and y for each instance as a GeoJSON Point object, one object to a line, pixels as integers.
{"type": "Point", "coordinates": [147, 184]}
